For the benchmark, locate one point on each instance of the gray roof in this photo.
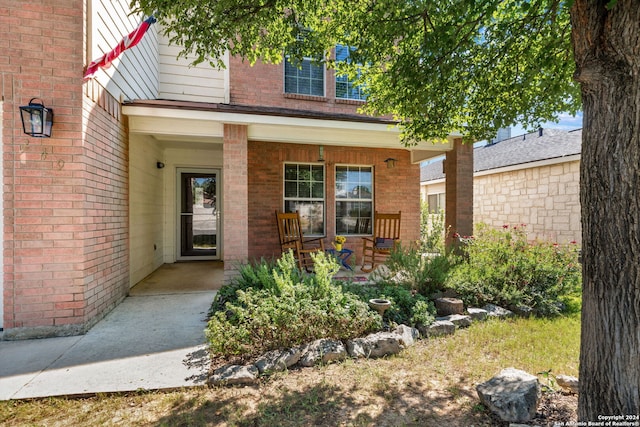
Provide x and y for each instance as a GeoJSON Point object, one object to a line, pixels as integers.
{"type": "Point", "coordinates": [531, 147]}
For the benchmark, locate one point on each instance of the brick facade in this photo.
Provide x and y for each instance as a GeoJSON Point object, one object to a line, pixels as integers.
{"type": "Point", "coordinates": [235, 179]}
{"type": "Point", "coordinates": [263, 85]}
{"type": "Point", "coordinates": [65, 197]}
{"type": "Point", "coordinates": [395, 189]}
{"type": "Point", "coordinates": [458, 167]}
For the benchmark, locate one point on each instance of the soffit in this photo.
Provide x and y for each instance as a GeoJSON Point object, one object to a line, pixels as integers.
{"type": "Point", "coordinates": [172, 126]}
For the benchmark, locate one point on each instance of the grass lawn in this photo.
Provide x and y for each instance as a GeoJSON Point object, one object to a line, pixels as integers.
{"type": "Point", "coordinates": [430, 384]}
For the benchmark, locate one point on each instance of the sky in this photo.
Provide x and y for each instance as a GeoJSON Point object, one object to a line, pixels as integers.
{"type": "Point", "coordinates": [567, 122]}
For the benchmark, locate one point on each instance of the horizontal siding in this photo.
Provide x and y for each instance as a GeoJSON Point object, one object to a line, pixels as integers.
{"type": "Point", "coordinates": [182, 82]}
{"type": "Point", "coordinates": [134, 74]}
{"type": "Point", "coordinates": [146, 204]}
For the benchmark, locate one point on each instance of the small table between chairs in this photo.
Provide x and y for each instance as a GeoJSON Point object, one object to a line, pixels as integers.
{"type": "Point", "coordinates": [342, 256]}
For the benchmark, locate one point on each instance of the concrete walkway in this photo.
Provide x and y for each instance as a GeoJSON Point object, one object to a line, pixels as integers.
{"type": "Point", "coordinates": [149, 341]}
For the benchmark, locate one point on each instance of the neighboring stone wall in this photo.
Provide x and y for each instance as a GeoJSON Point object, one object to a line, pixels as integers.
{"type": "Point", "coordinates": [395, 189]}
{"type": "Point", "coordinates": [545, 198]}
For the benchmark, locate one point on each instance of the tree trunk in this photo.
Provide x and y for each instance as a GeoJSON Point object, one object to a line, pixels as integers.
{"type": "Point", "coordinates": [607, 52]}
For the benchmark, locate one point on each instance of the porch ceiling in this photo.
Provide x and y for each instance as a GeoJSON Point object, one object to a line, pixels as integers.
{"type": "Point", "coordinates": [174, 126]}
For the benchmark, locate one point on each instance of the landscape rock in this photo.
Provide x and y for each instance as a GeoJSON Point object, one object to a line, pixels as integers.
{"type": "Point", "coordinates": [375, 345]}
{"type": "Point", "coordinates": [438, 328]}
{"type": "Point", "coordinates": [513, 395]}
{"type": "Point", "coordinates": [477, 313]}
{"type": "Point", "coordinates": [447, 306]}
{"type": "Point", "coordinates": [568, 382]}
{"type": "Point", "coordinates": [277, 360]}
{"type": "Point", "coordinates": [497, 311]}
{"type": "Point", "coordinates": [460, 320]}
{"type": "Point", "coordinates": [234, 374]}
{"type": "Point", "coordinates": [322, 351]}
{"type": "Point", "coordinates": [408, 335]}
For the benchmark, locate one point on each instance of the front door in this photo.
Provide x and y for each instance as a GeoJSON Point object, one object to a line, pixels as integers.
{"type": "Point", "coordinates": [199, 216]}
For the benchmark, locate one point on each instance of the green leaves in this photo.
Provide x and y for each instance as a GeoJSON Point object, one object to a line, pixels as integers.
{"type": "Point", "coordinates": [274, 305]}
{"type": "Point", "coordinates": [470, 66]}
{"type": "Point", "coordinates": [503, 268]}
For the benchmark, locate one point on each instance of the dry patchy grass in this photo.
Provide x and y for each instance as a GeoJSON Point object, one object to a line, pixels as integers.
{"type": "Point", "coordinates": [430, 384]}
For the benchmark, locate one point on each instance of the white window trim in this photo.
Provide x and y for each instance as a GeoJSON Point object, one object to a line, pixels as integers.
{"type": "Point", "coordinates": [324, 193]}
{"type": "Point", "coordinates": [284, 77]}
{"type": "Point", "coordinates": [336, 199]}
{"type": "Point", "coordinates": [349, 81]}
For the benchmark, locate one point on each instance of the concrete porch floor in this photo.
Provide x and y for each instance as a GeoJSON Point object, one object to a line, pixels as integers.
{"type": "Point", "coordinates": [180, 278]}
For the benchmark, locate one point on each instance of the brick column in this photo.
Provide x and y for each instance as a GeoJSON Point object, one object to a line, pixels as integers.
{"type": "Point", "coordinates": [458, 168]}
{"type": "Point", "coordinates": [235, 199]}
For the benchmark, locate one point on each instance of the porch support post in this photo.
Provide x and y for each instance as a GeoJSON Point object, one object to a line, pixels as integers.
{"type": "Point", "coordinates": [458, 168]}
{"type": "Point", "coordinates": [235, 199]}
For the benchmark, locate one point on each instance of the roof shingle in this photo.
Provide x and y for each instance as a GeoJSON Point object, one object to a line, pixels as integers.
{"type": "Point", "coordinates": [531, 147]}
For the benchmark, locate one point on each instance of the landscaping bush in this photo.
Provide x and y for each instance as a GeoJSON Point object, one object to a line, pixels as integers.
{"type": "Point", "coordinates": [432, 230]}
{"type": "Point", "coordinates": [264, 311]}
{"type": "Point", "coordinates": [406, 307]}
{"type": "Point", "coordinates": [418, 271]}
{"type": "Point", "coordinates": [502, 268]}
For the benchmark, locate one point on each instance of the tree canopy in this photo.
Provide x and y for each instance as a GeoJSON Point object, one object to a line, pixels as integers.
{"type": "Point", "coordinates": [470, 66]}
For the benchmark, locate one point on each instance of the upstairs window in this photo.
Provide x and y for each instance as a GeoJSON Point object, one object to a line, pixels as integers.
{"type": "Point", "coordinates": [305, 78]}
{"type": "Point", "coordinates": [345, 88]}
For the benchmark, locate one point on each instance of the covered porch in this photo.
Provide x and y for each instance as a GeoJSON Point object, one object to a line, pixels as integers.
{"type": "Point", "coordinates": [245, 149]}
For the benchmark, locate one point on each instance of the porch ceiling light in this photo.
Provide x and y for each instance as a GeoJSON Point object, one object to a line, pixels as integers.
{"type": "Point", "coordinates": [391, 162]}
{"type": "Point", "coordinates": [37, 120]}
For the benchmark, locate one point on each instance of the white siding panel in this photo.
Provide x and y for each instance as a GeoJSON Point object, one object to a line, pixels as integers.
{"type": "Point", "coordinates": [147, 207]}
{"type": "Point", "coordinates": [186, 89]}
{"type": "Point", "coordinates": [180, 81]}
{"type": "Point", "coordinates": [134, 74]}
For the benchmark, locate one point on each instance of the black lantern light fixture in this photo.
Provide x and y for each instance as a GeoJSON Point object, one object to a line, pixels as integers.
{"type": "Point", "coordinates": [37, 119]}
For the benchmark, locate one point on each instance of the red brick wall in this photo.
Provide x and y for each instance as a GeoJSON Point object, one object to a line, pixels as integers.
{"type": "Point", "coordinates": [235, 198]}
{"type": "Point", "coordinates": [105, 175]}
{"type": "Point", "coordinates": [459, 190]}
{"type": "Point", "coordinates": [65, 197]}
{"type": "Point", "coordinates": [394, 189]}
{"type": "Point", "coordinates": [263, 85]}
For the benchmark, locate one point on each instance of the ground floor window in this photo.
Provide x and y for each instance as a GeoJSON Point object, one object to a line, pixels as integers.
{"type": "Point", "coordinates": [354, 200]}
{"type": "Point", "coordinates": [304, 192]}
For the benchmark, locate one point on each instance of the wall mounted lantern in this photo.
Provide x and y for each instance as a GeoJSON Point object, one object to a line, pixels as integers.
{"type": "Point", "coordinates": [391, 163]}
{"type": "Point", "coordinates": [37, 119]}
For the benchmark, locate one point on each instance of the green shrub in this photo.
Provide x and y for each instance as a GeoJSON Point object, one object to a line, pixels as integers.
{"type": "Point", "coordinates": [432, 230]}
{"type": "Point", "coordinates": [418, 271]}
{"type": "Point", "coordinates": [502, 268]}
{"type": "Point", "coordinates": [406, 307]}
{"type": "Point", "coordinates": [285, 308]}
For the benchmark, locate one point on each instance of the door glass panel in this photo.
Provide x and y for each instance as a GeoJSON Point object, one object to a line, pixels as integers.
{"type": "Point", "coordinates": [198, 214]}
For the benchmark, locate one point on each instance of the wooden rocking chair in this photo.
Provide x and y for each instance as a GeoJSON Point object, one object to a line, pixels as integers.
{"type": "Point", "coordinates": [291, 237]}
{"type": "Point", "coordinates": [386, 236]}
